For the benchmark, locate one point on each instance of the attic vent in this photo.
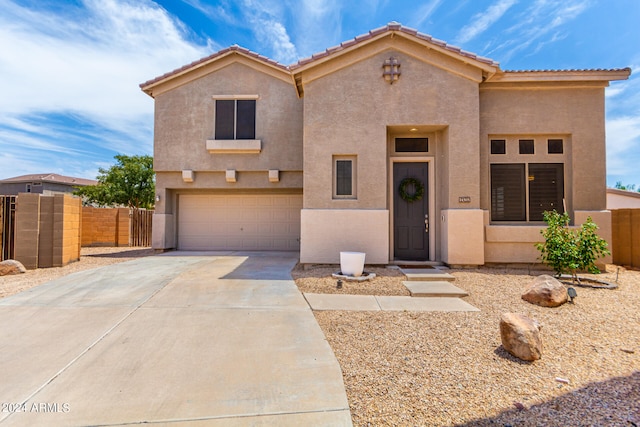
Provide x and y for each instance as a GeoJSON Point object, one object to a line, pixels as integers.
{"type": "Point", "coordinates": [391, 70]}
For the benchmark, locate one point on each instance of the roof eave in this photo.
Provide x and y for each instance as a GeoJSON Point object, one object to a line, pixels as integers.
{"type": "Point", "coordinates": [148, 86]}
{"type": "Point", "coordinates": [528, 76]}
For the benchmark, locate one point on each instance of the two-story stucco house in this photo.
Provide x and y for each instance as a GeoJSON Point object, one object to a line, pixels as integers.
{"type": "Point", "coordinates": [393, 143]}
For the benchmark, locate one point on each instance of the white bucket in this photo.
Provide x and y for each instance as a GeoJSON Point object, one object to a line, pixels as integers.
{"type": "Point", "coordinates": [352, 263]}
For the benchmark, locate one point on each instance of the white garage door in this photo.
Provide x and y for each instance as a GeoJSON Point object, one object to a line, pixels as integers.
{"type": "Point", "coordinates": [239, 222]}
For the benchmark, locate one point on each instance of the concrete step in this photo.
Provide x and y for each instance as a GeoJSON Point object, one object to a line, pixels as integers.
{"type": "Point", "coordinates": [434, 289]}
{"type": "Point", "coordinates": [427, 275]}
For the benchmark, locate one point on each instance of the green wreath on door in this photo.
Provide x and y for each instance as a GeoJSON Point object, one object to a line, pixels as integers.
{"type": "Point", "coordinates": [418, 190]}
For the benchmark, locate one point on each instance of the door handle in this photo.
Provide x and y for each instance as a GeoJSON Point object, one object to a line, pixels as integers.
{"type": "Point", "coordinates": [426, 223]}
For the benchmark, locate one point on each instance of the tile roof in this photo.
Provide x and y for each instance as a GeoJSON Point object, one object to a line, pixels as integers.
{"type": "Point", "coordinates": [223, 52]}
{"type": "Point", "coordinates": [50, 177]}
{"type": "Point", "coordinates": [584, 70]}
{"type": "Point", "coordinates": [392, 26]}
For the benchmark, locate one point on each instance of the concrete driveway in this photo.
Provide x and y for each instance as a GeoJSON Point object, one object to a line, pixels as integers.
{"type": "Point", "coordinates": [177, 339]}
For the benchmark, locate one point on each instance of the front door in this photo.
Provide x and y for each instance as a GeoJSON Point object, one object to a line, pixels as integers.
{"type": "Point", "coordinates": [411, 211]}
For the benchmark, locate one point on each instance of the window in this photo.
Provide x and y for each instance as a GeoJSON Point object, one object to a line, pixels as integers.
{"type": "Point", "coordinates": [527, 176]}
{"type": "Point", "coordinates": [344, 182]}
{"type": "Point", "coordinates": [546, 189]}
{"type": "Point", "coordinates": [235, 119]}
{"type": "Point", "coordinates": [412, 145]}
{"type": "Point", "coordinates": [498, 146]}
{"type": "Point", "coordinates": [526, 146]}
{"type": "Point", "coordinates": [555, 146]}
{"type": "Point", "coordinates": [509, 193]}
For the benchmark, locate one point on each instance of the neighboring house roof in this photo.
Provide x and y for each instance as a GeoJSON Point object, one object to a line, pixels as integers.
{"type": "Point", "coordinates": [50, 177]}
{"type": "Point", "coordinates": [491, 69]}
{"type": "Point", "coordinates": [622, 199]}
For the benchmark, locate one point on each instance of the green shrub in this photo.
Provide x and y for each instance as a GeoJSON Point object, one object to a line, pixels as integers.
{"type": "Point", "coordinates": [568, 251]}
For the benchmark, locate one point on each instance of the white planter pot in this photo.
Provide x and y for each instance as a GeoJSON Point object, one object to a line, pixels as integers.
{"type": "Point", "coordinates": [352, 263]}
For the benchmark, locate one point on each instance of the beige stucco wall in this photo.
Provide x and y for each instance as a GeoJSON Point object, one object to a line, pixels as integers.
{"type": "Point", "coordinates": [184, 122]}
{"type": "Point", "coordinates": [349, 111]}
{"type": "Point", "coordinates": [462, 236]}
{"type": "Point", "coordinates": [327, 232]}
{"type": "Point", "coordinates": [576, 113]}
{"type": "Point", "coordinates": [516, 243]}
{"type": "Point", "coordinates": [354, 111]}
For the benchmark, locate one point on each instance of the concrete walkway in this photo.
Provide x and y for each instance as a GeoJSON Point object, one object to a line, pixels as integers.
{"type": "Point", "coordinates": [322, 302]}
{"type": "Point", "coordinates": [187, 339]}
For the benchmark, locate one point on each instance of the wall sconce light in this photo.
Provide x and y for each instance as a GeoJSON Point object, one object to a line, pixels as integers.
{"type": "Point", "coordinates": [157, 198]}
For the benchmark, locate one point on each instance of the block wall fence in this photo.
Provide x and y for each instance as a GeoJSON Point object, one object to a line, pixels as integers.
{"type": "Point", "coordinates": [47, 230]}
{"type": "Point", "coordinates": [105, 226]}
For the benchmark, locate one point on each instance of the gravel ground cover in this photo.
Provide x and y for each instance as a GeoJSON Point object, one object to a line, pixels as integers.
{"type": "Point", "coordinates": [445, 369]}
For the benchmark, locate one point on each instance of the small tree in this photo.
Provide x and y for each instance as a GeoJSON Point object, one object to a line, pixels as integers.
{"type": "Point", "coordinates": [568, 251]}
{"type": "Point", "coordinates": [130, 183]}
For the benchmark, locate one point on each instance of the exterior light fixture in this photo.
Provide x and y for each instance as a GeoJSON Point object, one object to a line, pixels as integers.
{"type": "Point", "coordinates": [157, 198]}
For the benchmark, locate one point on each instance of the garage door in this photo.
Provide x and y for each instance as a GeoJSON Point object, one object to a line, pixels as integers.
{"type": "Point", "coordinates": [239, 222]}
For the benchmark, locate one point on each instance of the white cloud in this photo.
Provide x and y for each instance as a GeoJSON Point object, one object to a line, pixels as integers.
{"type": "Point", "coordinates": [318, 24]}
{"type": "Point", "coordinates": [482, 21]}
{"type": "Point", "coordinates": [69, 81]}
{"type": "Point", "coordinates": [423, 13]}
{"type": "Point", "coordinates": [89, 62]}
{"type": "Point", "coordinates": [540, 23]}
{"type": "Point", "coordinates": [623, 147]}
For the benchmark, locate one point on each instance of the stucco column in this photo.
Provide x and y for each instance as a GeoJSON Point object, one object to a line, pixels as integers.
{"type": "Point", "coordinates": [462, 236]}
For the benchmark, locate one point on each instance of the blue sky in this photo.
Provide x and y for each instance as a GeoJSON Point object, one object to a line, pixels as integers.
{"type": "Point", "coordinates": [70, 69]}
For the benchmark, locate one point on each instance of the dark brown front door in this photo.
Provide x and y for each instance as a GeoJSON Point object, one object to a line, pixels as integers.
{"type": "Point", "coordinates": [410, 218]}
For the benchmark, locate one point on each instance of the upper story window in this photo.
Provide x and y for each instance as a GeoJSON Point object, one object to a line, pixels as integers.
{"type": "Point", "coordinates": [235, 119]}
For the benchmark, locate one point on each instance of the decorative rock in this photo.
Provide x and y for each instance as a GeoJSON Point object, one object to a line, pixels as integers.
{"type": "Point", "coordinates": [520, 336]}
{"type": "Point", "coordinates": [11, 266]}
{"type": "Point", "coordinates": [545, 291]}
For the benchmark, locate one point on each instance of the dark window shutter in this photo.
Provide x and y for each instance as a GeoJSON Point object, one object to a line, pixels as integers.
{"type": "Point", "coordinates": [344, 177]}
{"type": "Point", "coordinates": [498, 146]}
{"type": "Point", "coordinates": [546, 189]}
{"type": "Point", "coordinates": [526, 146]}
{"type": "Point", "coordinates": [224, 119]}
{"type": "Point", "coordinates": [508, 192]}
{"type": "Point", "coordinates": [555, 146]}
{"type": "Point", "coordinates": [246, 119]}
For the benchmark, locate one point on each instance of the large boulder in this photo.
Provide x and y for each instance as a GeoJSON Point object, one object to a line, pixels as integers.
{"type": "Point", "coordinates": [11, 266]}
{"type": "Point", "coordinates": [520, 336]}
{"type": "Point", "coordinates": [545, 291]}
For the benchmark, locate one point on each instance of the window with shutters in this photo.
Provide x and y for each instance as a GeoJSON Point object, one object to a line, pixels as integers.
{"type": "Point", "coordinates": [526, 177]}
{"type": "Point", "coordinates": [344, 177]}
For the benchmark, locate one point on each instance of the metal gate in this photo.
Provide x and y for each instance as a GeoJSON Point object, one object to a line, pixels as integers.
{"type": "Point", "coordinates": [7, 226]}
